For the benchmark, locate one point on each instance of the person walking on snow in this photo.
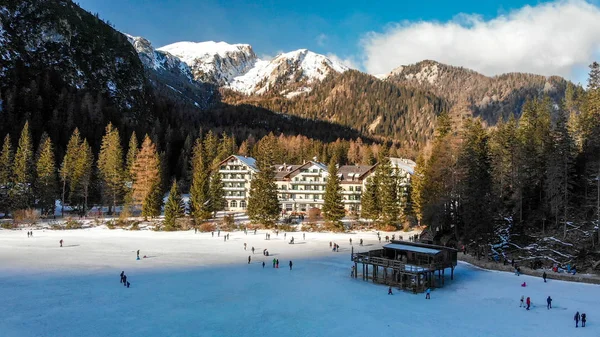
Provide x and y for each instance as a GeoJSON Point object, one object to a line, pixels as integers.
{"type": "Point", "coordinates": [277, 263]}
{"type": "Point", "coordinates": [290, 265]}
{"type": "Point", "coordinates": [522, 300]}
{"type": "Point", "coordinates": [549, 301]}
{"type": "Point", "coordinates": [124, 280]}
{"type": "Point", "coordinates": [138, 254]}
{"type": "Point", "coordinates": [428, 294]}
{"type": "Point", "coordinates": [390, 291]}
{"type": "Point", "coordinates": [244, 246]}
{"type": "Point", "coordinates": [274, 261]}
{"type": "Point", "coordinates": [583, 320]}
{"type": "Point", "coordinates": [61, 242]}
{"type": "Point", "coordinates": [576, 318]}
{"type": "Point", "coordinates": [122, 274]}
{"type": "Point", "coordinates": [544, 276]}
{"type": "Point", "coordinates": [349, 240]}
{"type": "Point", "coordinates": [252, 249]}
{"type": "Point", "coordinates": [249, 259]}
{"type": "Point", "coordinates": [528, 303]}
{"type": "Point", "coordinates": [263, 264]}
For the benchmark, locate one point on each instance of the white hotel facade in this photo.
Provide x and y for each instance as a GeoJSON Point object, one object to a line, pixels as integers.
{"type": "Point", "coordinates": [302, 187]}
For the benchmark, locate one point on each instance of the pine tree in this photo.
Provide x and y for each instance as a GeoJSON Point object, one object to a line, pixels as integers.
{"type": "Point", "coordinates": [84, 169]}
{"type": "Point", "coordinates": [147, 178]}
{"type": "Point", "coordinates": [67, 168]}
{"type": "Point", "coordinates": [174, 208]}
{"type": "Point", "coordinates": [333, 208]}
{"type": "Point", "coordinates": [199, 191]}
{"type": "Point", "coordinates": [110, 165]}
{"type": "Point", "coordinates": [45, 184]}
{"type": "Point", "coordinates": [476, 186]}
{"type": "Point", "coordinates": [387, 192]}
{"type": "Point", "coordinates": [23, 171]}
{"type": "Point", "coordinates": [211, 145]}
{"type": "Point", "coordinates": [263, 205]}
{"type": "Point", "coordinates": [6, 161]}
{"type": "Point", "coordinates": [559, 175]}
{"type": "Point", "coordinates": [217, 195]}
{"type": "Point", "coordinates": [369, 206]}
{"type": "Point", "coordinates": [132, 152]}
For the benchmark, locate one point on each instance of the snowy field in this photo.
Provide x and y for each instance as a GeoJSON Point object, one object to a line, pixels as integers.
{"type": "Point", "coordinates": [197, 285]}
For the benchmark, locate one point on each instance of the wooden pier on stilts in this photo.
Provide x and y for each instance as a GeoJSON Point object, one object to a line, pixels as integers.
{"type": "Point", "coordinates": [406, 265]}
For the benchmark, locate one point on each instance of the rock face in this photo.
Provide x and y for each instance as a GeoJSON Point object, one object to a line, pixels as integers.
{"type": "Point", "coordinates": [236, 66]}
{"type": "Point", "coordinates": [160, 61]}
{"type": "Point", "coordinates": [214, 62]}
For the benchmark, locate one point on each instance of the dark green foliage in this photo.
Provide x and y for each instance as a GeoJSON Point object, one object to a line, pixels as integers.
{"type": "Point", "coordinates": [263, 205]}
{"type": "Point", "coordinates": [217, 195]}
{"type": "Point", "coordinates": [174, 208]}
{"type": "Point", "coordinates": [23, 171]}
{"type": "Point", "coordinates": [6, 161]}
{"type": "Point", "coordinates": [333, 208]}
{"type": "Point", "coordinates": [200, 188]}
{"type": "Point", "coordinates": [387, 193]}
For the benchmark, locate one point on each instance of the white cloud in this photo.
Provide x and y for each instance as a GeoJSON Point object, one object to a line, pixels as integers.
{"type": "Point", "coordinates": [321, 39]}
{"type": "Point", "coordinates": [550, 39]}
{"type": "Point", "coordinates": [349, 62]}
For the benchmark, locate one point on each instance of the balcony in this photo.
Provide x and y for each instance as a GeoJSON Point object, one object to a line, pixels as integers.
{"type": "Point", "coordinates": [233, 171]}
{"type": "Point", "coordinates": [234, 180]}
{"type": "Point", "coordinates": [237, 197]}
{"type": "Point", "coordinates": [225, 188]}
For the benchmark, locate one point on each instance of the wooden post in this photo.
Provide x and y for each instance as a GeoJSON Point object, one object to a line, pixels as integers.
{"type": "Point", "coordinates": [443, 277]}
{"type": "Point", "coordinates": [452, 274]}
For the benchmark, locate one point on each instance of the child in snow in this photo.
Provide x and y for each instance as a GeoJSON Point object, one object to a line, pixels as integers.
{"type": "Point", "coordinates": [138, 254]}
{"type": "Point", "coordinates": [524, 284]}
{"type": "Point", "coordinates": [125, 280]}
{"type": "Point", "coordinates": [274, 261]}
{"type": "Point", "coordinates": [277, 263]}
{"type": "Point", "coordinates": [128, 284]}
{"type": "Point", "coordinates": [428, 294]}
{"type": "Point", "coordinates": [252, 250]}
{"type": "Point", "coordinates": [583, 320]}
{"type": "Point", "coordinates": [522, 300]}
{"type": "Point", "coordinates": [390, 291]}
{"type": "Point", "coordinates": [528, 303]}
{"type": "Point", "coordinates": [549, 301]}
{"type": "Point", "coordinates": [576, 318]}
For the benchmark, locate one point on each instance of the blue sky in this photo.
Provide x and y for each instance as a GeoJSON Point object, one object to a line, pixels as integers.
{"type": "Point", "coordinates": [351, 30]}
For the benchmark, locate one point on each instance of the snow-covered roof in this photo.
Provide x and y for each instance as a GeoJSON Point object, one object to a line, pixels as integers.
{"type": "Point", "coordinates": [415, 249]}
{"type": "Point", "coordinates": [406, 165]}
{"type": "Point", "coordinates": [248, 161]}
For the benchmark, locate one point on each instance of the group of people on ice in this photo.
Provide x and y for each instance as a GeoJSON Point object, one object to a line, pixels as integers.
{"type": "Point", "coordinates": [29, 234]}
{"type": "Point", "coordinates": [124, 280]}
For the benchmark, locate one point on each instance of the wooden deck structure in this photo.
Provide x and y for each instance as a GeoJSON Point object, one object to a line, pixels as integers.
{"type": "Point", "coordinates": [407, 265]}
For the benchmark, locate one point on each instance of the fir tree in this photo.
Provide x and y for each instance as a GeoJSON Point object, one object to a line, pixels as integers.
{"type": "Point", "coordinates": [369, 206]}
{"type": "Point", "coordinates": [6, 161]}
{"type": "Point", "coordinates": [132, 152]}
{"type": "Point", "coordinates": [23, 171]}
{"type": "Point", "coordinates": [217, 195]}
{"type": "Point", "coordinates": [387, 192]}
{"type": "Point", "coordinates": [210, 148]}
{"type": "Point", "coordinates": [110, 165]}
{"type": "Point", "coordinates": [174, 208]}
{"type": "Point", "coordinates": [200, 189]}
{"type": "Point", "coordinates": [333, 208]}
{"type": "Point", "coordinates": [146, 178]}
{"type": "Point", "coordinates": [263, 205]}
{"type": "Point", "coordinates": [46, 186]}
{"type": "Point", "coordinates": [67, 168]}
{"type": "Point", "coordinates": [84, 169]}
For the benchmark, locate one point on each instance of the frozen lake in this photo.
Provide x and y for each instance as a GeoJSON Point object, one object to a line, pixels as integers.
{"type": "Point", "coordinates": [197, 285]}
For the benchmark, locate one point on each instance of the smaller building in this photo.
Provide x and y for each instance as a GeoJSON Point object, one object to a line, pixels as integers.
{"type": "Point", "coordinates": [407, 265]}
{"type": "Point", "coordinates": [237, 173]}
{"type": "Point", "coordinates": [353, 180]}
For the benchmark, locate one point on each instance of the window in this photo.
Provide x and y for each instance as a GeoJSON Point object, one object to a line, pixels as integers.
{"type": "Point", "coordinates": [358, 189]}
{"type": "Point", "coordinates": [351, 188]}
{"type": "Point", "coordinates": [233, 204]}
{"type": "Point", "coordinates": [243, 204]}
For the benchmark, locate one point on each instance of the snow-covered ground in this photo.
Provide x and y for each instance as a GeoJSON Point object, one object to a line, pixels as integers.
{"type": "Point", "coordinates": [197, 285]}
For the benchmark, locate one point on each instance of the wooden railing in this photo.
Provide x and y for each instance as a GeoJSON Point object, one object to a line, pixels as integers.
{"type": "Point", "coordinates": [375, 259]}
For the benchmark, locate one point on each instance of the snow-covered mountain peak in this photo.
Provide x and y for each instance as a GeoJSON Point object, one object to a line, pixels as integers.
{"type": "Point", "coordinates": [214, 62]}
{"type": "Point", "coordinates": [158, 60]}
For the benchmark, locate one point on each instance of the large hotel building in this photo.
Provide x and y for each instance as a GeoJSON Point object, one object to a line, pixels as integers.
{"type": "Point", "coordinates": [301, 187]}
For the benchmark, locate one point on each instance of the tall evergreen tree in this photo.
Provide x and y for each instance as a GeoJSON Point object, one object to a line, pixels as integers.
{"type": "Point", "coordinates": [110, 165]}
{"type": "Point", "coordinates": [146, 177]}
{"type": "Point", "coordinates": [211, 145]}
{"type": "Point", "coordinates": [333, 208]}
{"type": "Point", "coordinates": [23, 171]}
{"type": "Point", "coordinates": [263, 205]}
{"type": "Point", "coordinates": [6, 161]}
{"type": "Point", "coordinates": [387, 192]}
{"type": "Point", "coordinates": [476, 185]}
{"type": "Point", "coordinates": [369, 202]}
{"type": "Point", "coordinates": [174, 208]}
{"type": "Point", "coordinates": [84, 169]}
{"type": "Point", "coordinates": [132, 152]}
{"type": "Point", "coordinates": [45, 184]}
{"type": "Point", "coordinates": [67, 168]}
{"type": "Point", "coordinates": [559, 174]}
{"type": "Point", "coordinates": [217, 194]}
{"type": "Point", "coordinates": [200, 189]}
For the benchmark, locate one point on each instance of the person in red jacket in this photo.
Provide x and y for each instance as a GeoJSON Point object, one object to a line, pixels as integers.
{"type": "Point", "coordinates": [528, 303]}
